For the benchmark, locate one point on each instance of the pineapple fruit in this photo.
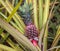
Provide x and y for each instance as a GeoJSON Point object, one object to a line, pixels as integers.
{"type": "Point", "coordinates": [31, 32]}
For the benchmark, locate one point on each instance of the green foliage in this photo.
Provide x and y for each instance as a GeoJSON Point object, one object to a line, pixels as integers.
{"type": "Point", "coordinates": [45, 15]}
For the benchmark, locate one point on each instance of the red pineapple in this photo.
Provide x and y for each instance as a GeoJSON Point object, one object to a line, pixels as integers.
{"type": "Point", "coordinates": [32, 33]}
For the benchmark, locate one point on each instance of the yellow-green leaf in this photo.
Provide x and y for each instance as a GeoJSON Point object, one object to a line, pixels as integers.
{"type": "Point", "coordinates": [14, 11]}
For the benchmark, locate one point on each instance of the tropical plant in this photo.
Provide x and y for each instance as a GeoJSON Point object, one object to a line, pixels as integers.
{"type": "Point", "coordinates": [29, 25]}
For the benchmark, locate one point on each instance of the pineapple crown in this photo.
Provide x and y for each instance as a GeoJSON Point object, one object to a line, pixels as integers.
{"type": "Point", "coordinates": [26, 13]}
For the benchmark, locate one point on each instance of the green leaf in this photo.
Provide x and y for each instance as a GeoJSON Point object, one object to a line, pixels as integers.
{"type": "Point", "coordinates": [14, 11]}
{"type": "Point", "coordinates": [57, 37]}
{"type": "Point", "coordinates": [35, 13]}
{"type": "Point", "coordinates": [46, 11]}
{"type": "Point", "coordinates": [45, 38]}
{"type": "Point", "coordinates": [5, 37]}
{"type": "Point", "coordinates": [40, 13]}
{"type": "Point", "coordinates": [1, 30]}
{"type": "Point", "coordinates": [6, 48]}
